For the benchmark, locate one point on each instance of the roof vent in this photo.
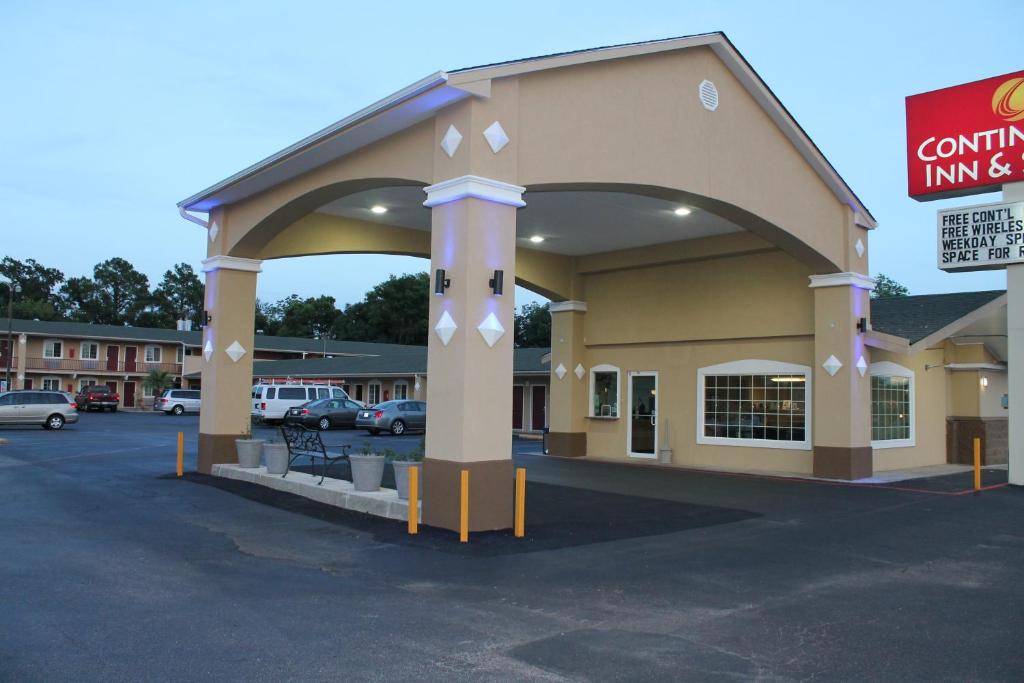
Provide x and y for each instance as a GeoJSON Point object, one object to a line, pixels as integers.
{"type": "Point", "coordinates": [708, 94]}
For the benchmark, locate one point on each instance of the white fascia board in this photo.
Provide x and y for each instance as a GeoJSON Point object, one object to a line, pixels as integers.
{"type": "Point", "coordinates": [248, 265]}
{"type": "Point", "coordinates": [476, 187]}
{"type": "Point", "coordinates": [563, 306]}
{"type": "Point", "coordinates": [997, 367]}
{"type": "Point", "coordinates": [957, 325]}
{"type": "Point", "coordinates": [210, 197]}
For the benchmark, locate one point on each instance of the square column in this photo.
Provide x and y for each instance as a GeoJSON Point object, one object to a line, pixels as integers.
{"type": "Point", "coordinates": [842, 393]}
{"type": "Point", "coordinates": [230, 300]}
{"type": "Point", "coordinates": [469, 353]}
{"type": "Point", "coordinates": [567, 435]}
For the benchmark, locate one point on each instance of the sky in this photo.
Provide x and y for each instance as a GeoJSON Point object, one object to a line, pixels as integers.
{"type": "Point", "coordinates": [116, 111]}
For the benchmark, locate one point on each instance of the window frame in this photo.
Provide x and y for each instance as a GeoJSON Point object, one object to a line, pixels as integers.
{"type": "Point", "coordinates": [179, 355]}
{"type": "Point", "coordinates": [753, 366]}
{"type": "Point", "coordinates": [89, 344]}
{"type": "Point", "coordinates": [887, 368]}
{"type": "Point", "coordinates": [405, 390]}
{"type": "Point", "coordinates": [50, 378]}
{"type": "Point", "coordinates": [605, 368]}
{"type": "Point", "coordinates": [48, 346]}
{"type": "Point", "coordinates": [159, 356]}
{"type": "Point", "coordinates": [369, 390]}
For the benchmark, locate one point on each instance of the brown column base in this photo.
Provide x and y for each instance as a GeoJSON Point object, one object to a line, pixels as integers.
{"type": "Point", "coordinates": [491, 484]}
{"type": "Point", "coordinates": [215, 449]}
{"type": "Point", "coordinates": [567, 444]}
{"type": "Point", "coordinates": [837, 462]}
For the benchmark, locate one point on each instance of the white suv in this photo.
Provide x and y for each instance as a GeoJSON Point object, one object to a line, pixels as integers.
{"type": "Point", "coordinates": [272, 401]}
{"type": "Point", "coordinates": [178, 401]}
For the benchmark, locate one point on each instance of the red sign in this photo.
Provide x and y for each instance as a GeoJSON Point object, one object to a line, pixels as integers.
{"type": "Point", "coordinates": [967, 139]}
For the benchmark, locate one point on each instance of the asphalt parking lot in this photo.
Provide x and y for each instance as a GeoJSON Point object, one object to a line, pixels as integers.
{"type": "Point", "coordinates": [113, 569]}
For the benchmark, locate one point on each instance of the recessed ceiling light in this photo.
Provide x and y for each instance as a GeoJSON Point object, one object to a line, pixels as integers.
{"type": "Point", "coordinates": [683, 211]}
{"type": "Point", "coordinates": [536, 239]}
{"type": "Point", "coordinates": [379, 209]}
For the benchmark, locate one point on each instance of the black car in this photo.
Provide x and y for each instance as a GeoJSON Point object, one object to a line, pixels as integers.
{"type": "Point", "coordinates": [325, 413]}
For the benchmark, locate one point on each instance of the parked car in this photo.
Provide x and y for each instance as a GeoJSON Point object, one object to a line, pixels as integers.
{"type": "Point", "coordinates": [270, 402]}
{"type": "Point", "coordinates": [398, 417]}
{"type": "Point", "coordinates": [324, 414]}
{"type": "Point", "coordinates": [97, 397]}
{"type": "Point", "coordinates": [178, 401]}
{"type": "Point", "coordinates": [49, 409]}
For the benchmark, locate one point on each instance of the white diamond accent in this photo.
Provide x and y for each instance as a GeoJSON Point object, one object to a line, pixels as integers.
{"type": "Point", "coordinates": [235, 351]}
{"type": "Point", "coordinates": [445, 328]}
{"type": "Point", "coordinates": [579, 371]}
{"type": "Point", "coordinates": [491, 329]}
{"type": "Point", "coordinates": [451, 141]}
{"type": "Point", "coordinates": [832, 365]}
{"type": "Point", "coordinates": [214, 230]}
{"type": "Point", "coordinates": [208, 350]}
{"type": "Point", "coordinates": [860, 248]}
{"type": "Point", "coordinates": [560, 371]}
{"type": "Point", "coordinates": [708, 94]}
{"type": "Point", "coordinates": [862, 366]}
{"type": "Point", "coordinates": [496, 137]}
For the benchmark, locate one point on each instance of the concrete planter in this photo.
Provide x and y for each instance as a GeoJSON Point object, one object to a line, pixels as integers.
{"type": "Point", "coordinates": [276, 457]}
{"type": "Point", "coordinates": [367, 471]}
{"type": "Point", "coordinates": [249, 452]}
{"type": "Point", "coordinates": [402, 468]}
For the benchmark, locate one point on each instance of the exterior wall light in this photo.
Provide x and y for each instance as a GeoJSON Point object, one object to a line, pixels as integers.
{"type": "Point", "coordinates": [683, 211]}
{"type": "Point", "coordinates": [207, 318]}
{"type": "Point", "coordinates": [497, 283]}
{"type": "Point", "coordinates": [536, 239]}
{"type": "Point", "coordinates": [441, 283]}
{"type": "Point", "coordinates": [379, 209]}
{"type": "Point", "coordinates": [984, 382]}
{"type": "Point", "coordinates": [862, 326]}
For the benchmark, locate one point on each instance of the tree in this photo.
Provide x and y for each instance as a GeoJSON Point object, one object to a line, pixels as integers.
{"type": "Point", "coordinates": [37, 298]}
{"type": "Point", "coordinates": [116, 295]}
{"type": "Point", "coordinates": [312, 317]}
{"type": "Point", "coordinates": [156, 381]}
{"type": "Point", "coordinates": [533, 326]}
{"type": "Point", "coordinates": [179, 296]}
{"type": "Point", "coordinates": [885, 286]}
{"type": "Point", "coordinates": [395, 311]}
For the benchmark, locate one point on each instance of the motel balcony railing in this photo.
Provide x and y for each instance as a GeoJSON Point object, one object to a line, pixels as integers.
{"type": "Point", "coordinates": [80, 365]}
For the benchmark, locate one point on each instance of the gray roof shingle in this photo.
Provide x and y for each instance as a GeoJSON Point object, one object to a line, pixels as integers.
{"type": "Point", "coordinates": [916, 317]}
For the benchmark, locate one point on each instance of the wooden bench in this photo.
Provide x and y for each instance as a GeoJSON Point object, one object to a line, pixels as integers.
{"type": "Point", "coordinates": [304, 442]}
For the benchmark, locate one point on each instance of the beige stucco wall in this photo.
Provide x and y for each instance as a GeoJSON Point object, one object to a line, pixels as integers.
{"type": "Point", "coordinates": [677, 365]}
{"type": "Point", "coordinates": [991, 404]}
{"type": "Point", "coordinates": [933, 390]}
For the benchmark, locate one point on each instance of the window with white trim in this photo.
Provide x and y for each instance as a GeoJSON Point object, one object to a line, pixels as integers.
{"type": "Point", "coordinates": [51, 384]}
{"type": "Point", "coordinates": [401, 391]}
{"type": "Point", "coordinates": [86, 382]}
{"type": "Point", "coordinates": [179, 355]}
{"type": "Point", "coordinates": [53, 348]}
{"type": "Point", "coordinates": [604, 391]}
{"type": "Point", "coordinates": [892, 405]}
{"type": "Point", "coordinates": [89, 351]}
{"type": "Point", "coordinates": [153, 354]}
{"type": "Point", "coordinates": [757, 403]}
{"type": "Point", "coordinates": [373, 393]}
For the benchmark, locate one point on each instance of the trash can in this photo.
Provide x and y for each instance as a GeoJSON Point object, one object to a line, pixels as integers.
{"type": "Point", "coordinates": [544, 446]}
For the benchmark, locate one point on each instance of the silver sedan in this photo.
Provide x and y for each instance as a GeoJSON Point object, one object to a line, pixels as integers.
{"type": "Point", "coordinates": [397, 417]}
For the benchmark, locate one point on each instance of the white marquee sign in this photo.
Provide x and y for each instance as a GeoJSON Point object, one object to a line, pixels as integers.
{"type": "Point", "coordinates": [982, 237]}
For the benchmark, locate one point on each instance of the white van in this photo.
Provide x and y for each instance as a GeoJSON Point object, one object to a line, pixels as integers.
{"type": "Point", "coordinates": [272, 401]}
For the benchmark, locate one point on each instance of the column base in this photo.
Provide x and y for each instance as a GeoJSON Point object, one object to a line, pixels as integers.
{"type": "Point", "coordinates": [840, 462]}
{"type": "Point", "coordinates": [215, 449]}
{"type": "Point", "coordinates": [567, 444]}
{"type": "Point", "coordinates": [491, 484]}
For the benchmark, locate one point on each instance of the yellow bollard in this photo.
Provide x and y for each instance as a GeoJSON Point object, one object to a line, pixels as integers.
{"type": "Point", "coordinates": [414, 500]}
{"type": "Point", "coordinates": [181, 454]}
{"type": "Point", "coordinates": [464, 509]}
{"type": "Point", "coordinates": [977, 464]}
{"type": "Point", "coordinates": [520, 521]}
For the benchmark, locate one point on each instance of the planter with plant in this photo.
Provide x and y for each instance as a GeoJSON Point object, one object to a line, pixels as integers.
{"type": "Point", "coordinates": [249, 449]}
{"type": "Point", "coordinates": [402, 464]}
{"type": "Point", "coordinates": [367, 469]}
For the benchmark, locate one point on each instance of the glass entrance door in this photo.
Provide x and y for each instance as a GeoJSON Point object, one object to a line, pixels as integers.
{"type": "Point", "coordinates": [643, 414]}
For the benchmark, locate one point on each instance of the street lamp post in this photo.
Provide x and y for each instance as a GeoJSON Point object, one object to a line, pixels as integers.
{"type": "Point", "coordinates": [12, 289]}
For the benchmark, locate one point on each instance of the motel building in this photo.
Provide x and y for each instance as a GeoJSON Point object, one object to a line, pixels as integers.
{"type": "Point", "coordinates": [707, 267]}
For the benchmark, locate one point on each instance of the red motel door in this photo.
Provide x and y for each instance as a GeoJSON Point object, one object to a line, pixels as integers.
{"type": "Point", "coordinates": [540, 396]}
{"type": "Point", "coordinates": [129, 394]}
{"type": "Point", "coordinates": [517, 406]}
{"type": "Point", "coordinates": [130, 352]}
{"type": "Point", "coordinates": [112, 353]}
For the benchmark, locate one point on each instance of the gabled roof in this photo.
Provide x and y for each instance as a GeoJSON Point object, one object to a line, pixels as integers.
{"type": "Point", "coordinates": [51, 328]}
{"type": "Point", "coordinates": [917, 318]}
{"type": "Point", "coordinates": [423, 99]}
